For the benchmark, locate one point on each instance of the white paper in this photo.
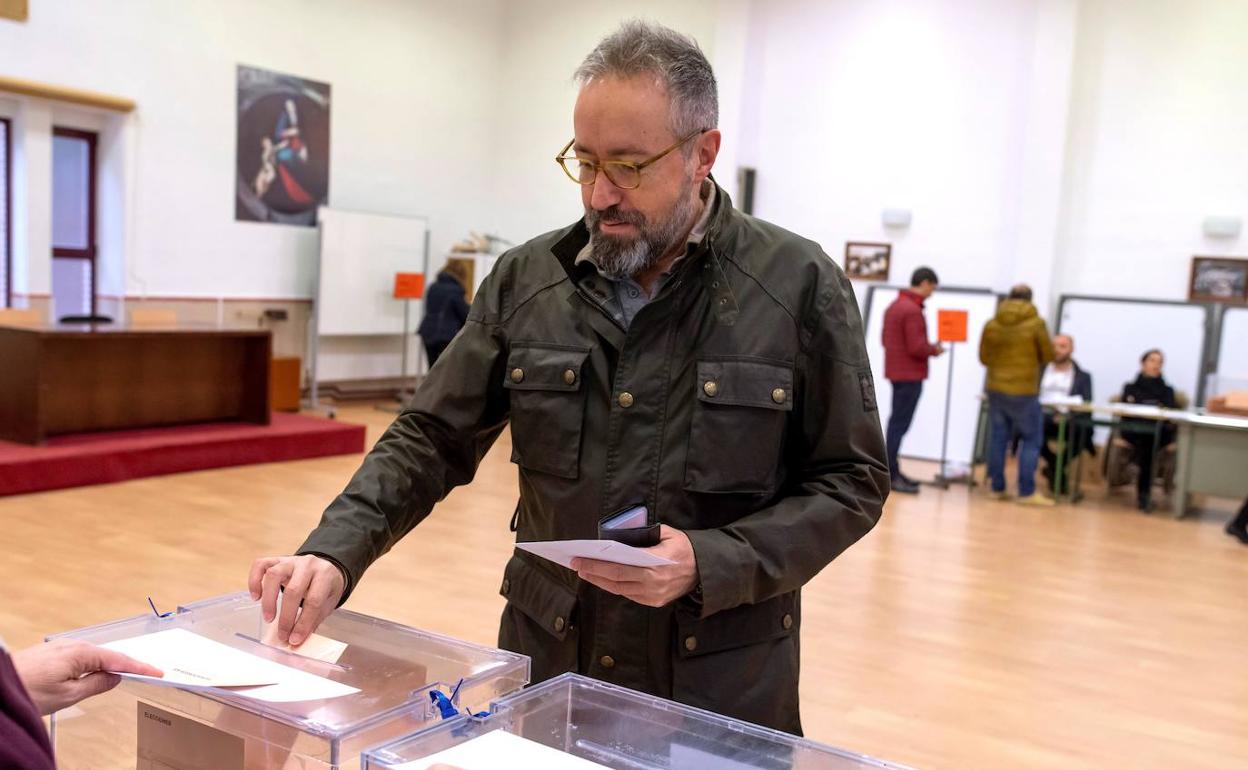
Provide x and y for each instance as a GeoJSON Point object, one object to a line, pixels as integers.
{"type": "Point", "coordinates": [195, 662]}
{"type": "Point", "coordinates": [1061, 400]}
{"type": "Point", "coordinates": [1142, 410]}
{"type": "Point", "coordinates": [315, 646]}
{"type": "Point", "coordinates": [564, 551]}
{"type": "Point", "coordinates": [498, 749]}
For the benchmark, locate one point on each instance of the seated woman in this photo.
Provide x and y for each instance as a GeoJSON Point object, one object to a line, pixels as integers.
{"type": "Point", "coordinates": [1149, 388]}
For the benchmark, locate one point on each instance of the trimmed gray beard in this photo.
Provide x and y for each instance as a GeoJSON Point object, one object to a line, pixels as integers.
{"type": "Point", "coordinates": [626, 257]}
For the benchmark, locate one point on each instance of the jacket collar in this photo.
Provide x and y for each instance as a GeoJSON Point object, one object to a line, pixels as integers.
{"type": "Point", "coordinates": [707, 258]}
{"type": "Point", "coordinates": [914, 297]}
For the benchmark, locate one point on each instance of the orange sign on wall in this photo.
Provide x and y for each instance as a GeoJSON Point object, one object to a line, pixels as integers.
{"type": "Point", "coordinates": [409, 285]}
{"type": "Point", "coordinates": [951, 325]}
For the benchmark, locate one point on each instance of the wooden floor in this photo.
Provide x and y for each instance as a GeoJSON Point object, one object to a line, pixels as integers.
{"type": "Point", "coordinates": [961, 633]}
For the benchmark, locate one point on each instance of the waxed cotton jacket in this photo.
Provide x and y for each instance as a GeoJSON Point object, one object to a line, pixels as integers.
{"type": "Point", "coordinates": [738, 405]}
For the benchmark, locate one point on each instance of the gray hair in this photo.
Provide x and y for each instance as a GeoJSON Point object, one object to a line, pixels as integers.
{"type": "Point", "coordinates": [641, 47]}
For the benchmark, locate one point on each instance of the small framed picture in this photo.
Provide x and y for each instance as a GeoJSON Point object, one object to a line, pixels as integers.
{"type": "Point", "coordinates": [867, 261]}
{"type": "Point", "coordinates": [1218, 279]}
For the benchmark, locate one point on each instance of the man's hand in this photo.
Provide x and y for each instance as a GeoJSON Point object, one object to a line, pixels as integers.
{"type": "Point", "coordinates": [60, 673]}
{"type": "Point", "coordinates": [940, 348]}
{"type": "Point", "coordinates": [651, 586]}
{"type": "Point", "coordinates": [310, 588]}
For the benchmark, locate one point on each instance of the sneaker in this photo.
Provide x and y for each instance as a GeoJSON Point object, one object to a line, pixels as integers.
{"type": "Point", "coordinates": [1239, 533]}
{"type": "Point", "coordinates": [1037, 499]}
{"type": "Point", "coordinates": [1002, 495]}
{"type": "Point", "coordinates": [905, 486]}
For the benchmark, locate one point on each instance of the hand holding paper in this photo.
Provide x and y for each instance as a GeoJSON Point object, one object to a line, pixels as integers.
{"type": "Point", "coordinates": [191, 661]}
{"type": "Point", "coordinates": [654, 576]}
{"type": "Point", "coordinates": [62, 672]}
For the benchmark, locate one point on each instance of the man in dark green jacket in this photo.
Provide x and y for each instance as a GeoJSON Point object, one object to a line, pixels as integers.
{"type": "Point", "coordinates": [665, 350]}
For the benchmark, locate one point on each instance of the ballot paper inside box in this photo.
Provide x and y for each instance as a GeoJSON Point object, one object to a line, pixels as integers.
{"type": "Point", "coordinates": [572, 722]}
{"type": "Point", "coordinates": [386, 670]}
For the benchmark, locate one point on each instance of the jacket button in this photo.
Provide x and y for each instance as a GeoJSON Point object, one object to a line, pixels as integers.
{"type": "Point", "coordinates": [517, 375]}
{"type": "Point", "coordinates": [779, 395]}
{"type": "Point", "coordinates": [787, 622]}
{"type": "Point", "coordinates": [506, 586]}
{"type": "Point", "coordinates": [710, 388]}
{"type": "Point", "coordinates": [560, 624]}
{"type": "Point", "coordinates": [569, 377]}
{"type": "Point", "coordinates": [626, 399]}
{"type": "Point", "coordinates": [607, 661]}
{"type": "Point", "coordinates": [691, 643]}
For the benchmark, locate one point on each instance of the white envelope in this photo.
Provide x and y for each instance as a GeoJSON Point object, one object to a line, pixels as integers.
{"type": "Point", "coordinates": [195, 662]}
{"type": "Point", "coordinates": [564, 551]}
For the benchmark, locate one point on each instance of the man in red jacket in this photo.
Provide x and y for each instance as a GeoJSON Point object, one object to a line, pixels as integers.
{"type": "Point", "coordinates": [906, 351]}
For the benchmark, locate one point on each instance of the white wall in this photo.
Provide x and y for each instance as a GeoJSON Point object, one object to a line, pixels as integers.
{"type": "Point", "coordinates": [544, 42]}
{"type": "Point", "coordinates": [413, 123]}
{"type": "Point", "coordinates": [1158, 142]}
{"type": "Point", "coordinates": [859, 105]}
{"type": "Point", "coordinates": [1074, 144]}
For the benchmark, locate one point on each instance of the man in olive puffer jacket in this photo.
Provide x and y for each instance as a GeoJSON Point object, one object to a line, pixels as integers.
{"type": "Point", "coordinates": [1015, 346]}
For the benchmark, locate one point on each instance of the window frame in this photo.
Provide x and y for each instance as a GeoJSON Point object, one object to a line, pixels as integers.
{"type": "Point", "coordinates": [6, 291]}
{"type": "Point", "coordinates": [91, 251]}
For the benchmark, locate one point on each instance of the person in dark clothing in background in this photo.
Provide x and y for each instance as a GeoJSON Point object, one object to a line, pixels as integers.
{"type": "Point", "coordinates": [906, 351]}
{"type": "Point", "coordinates": [1150, 389]}
{"type": "Point", "coordinates": [1238, 526]}
{"type": "Point", "coordinates": [446, 309]}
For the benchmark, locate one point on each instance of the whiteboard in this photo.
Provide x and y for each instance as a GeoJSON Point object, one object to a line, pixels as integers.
{"type": "Point", "coordinates": [360, 253]}
{"type": "Point", "coordinates": [1233, 350]}
{"type": "Point", "coordinates": [1110, 335]}
{"type": "Point", "coordinates": [924, 437]}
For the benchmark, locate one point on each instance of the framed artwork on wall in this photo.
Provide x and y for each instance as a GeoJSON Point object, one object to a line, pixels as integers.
{"type": "Point", "coordinates": [867, 261]}
{"type": "Point", "coordinates": [282, 164]}
{"type": "Point", "coordinates": [1218, 279]}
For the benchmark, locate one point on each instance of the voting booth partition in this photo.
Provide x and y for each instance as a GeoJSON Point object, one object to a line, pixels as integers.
{"type": "Point", "coordinates": [575, 723]}
{"type": "Point", "coordinates": [374, 685]}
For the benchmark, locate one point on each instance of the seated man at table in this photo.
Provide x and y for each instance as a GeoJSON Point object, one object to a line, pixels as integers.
{"type": "Point", "coordinates": [1060, 380]}
{"type": "Point", "coordinates": [1150, 389]}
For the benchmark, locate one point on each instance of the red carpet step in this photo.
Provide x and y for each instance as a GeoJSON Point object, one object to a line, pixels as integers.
{"type": "Point", "coordinates": [101, 458]}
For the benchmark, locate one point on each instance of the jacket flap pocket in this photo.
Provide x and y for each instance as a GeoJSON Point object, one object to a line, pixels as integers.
{"type": "Point", "coordinates": [546, 601]}
{"type": "Point", "coordinates": [738, 627]}
{"type": "Point", "coordinates": [544, 367]}
{"type": "Point", "coordinates": [745, 382]}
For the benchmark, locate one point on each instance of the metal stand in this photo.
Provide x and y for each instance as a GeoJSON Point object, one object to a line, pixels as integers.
{"type": "Point", "coordinates": [405, 394]}
{"type": "Point", "coordinates": [942, 479]}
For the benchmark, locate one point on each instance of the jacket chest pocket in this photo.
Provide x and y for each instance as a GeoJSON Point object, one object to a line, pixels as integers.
{"type": "Point", "coordinates": [547, 407]}
{"type": "Point", "coordinates": [737, 433]}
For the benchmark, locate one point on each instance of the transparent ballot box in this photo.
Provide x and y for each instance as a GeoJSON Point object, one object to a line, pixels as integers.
{"type": "Point", "coordinates": [575, 723]}
{"type": "Point", "coordinates": [387, 672]}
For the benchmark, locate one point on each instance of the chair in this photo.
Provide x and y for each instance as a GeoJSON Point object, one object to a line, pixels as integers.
{"type": "Point", "coordinates": [1119, 466]}
{"type": "Point", "coordinates": [13, 316]}
{"type": "Point", "coordinates": [141, 316]}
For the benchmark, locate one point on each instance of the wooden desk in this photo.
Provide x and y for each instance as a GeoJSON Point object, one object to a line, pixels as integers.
{"type": "Point", "coordinates": [74, 379]}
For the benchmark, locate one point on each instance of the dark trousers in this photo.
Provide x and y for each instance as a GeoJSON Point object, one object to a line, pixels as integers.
{"type": "Point", "coordinates": [905, 400]}
{"type": "Point", "coordinates": [1240, 522]}
{"type": "Point", "coordinates": [1142, 456]}
{"type": "Point", "coordinates": [1008, 415]}
{"type": "Point", "coordinates": [434, 351]}
{"type": "Point", "coordinates": [1076, 440]}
